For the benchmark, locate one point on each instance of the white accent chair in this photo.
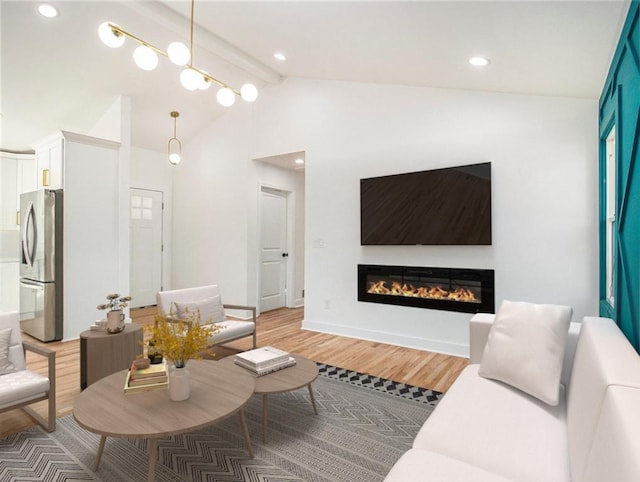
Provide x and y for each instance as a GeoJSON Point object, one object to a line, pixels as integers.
{"type": "Point", "coordinates": [19, 386]}
{"type": "Point", "coordinates": [207, 300]}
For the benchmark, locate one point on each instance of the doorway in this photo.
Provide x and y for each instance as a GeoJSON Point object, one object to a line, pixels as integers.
{"type": "Point", "coordinates": [146, 220]}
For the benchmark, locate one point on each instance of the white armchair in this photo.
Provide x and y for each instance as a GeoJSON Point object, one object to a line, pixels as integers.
{"type": "Point", "coordinates": [20, 387]}
{"type": "Point", "coordinates": [207, 300]}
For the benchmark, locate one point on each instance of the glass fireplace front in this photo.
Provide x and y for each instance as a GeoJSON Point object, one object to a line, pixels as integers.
{"type": "Point", "coordinates": [451, 289]}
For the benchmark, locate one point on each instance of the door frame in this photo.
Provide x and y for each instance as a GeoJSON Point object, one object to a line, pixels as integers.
{"type": "Point", "coordinates": [165, 267]}
{"type": "Point", "coordinates": [290, 277]}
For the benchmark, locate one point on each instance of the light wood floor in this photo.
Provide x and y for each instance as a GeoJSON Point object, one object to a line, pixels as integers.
{"type": "Point", "coordinates": [280, 328]}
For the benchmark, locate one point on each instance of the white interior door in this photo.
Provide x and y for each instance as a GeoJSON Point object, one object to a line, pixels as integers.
{"type": "Point", "coordinates": [146, 246]}
{"type": "Point", "coordinates": [273, 257]}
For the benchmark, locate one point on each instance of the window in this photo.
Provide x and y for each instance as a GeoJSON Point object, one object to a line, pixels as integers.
{"type": "Point", "coordinates": [141, 207]}
{"type": "Point", "coordinates": [610, 213]}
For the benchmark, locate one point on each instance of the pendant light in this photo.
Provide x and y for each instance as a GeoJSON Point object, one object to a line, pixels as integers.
{"type": "Point", "coordinates": [174, 146]}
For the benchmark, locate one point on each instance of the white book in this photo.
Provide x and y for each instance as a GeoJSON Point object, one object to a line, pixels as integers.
{"type": "Point", "coordinates": [252, 367]}
{"type": "Point", "coordinates": [273, 368]}
{"type": "Point", "coordinates": [262, 357]}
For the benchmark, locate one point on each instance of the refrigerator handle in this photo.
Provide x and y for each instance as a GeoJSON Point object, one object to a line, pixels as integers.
{"type": "Point", "coordinates": [29, 242]}
{"type": "Point", "coordinates": [32, 285]}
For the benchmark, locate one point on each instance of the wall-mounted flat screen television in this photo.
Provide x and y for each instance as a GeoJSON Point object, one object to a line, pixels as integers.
{"type": "Point", "coordinates": [450, 206]}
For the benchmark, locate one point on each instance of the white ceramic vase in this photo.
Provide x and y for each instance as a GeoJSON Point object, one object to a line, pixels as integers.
{"type": "Point", "coordinates": [179, 384]}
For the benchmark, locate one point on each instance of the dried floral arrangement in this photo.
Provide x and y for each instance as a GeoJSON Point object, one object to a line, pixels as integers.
{"type": "Point", "coordinates": [180, 340]}
{"type": "Point", "coordinates": [116, 302]}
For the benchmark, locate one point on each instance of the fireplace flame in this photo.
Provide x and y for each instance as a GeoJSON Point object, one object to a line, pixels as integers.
{"type": "Point", "coordinates": [431, 292]}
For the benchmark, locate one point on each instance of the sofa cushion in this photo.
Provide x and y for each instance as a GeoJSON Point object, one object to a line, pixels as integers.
{"type": "Point", "coordinates": [21, 386]}
{"type": "Point", "coordinates": [165, 299]}
{"type": "Point", "coordinates": [232, 329]}
{"type": "Point", "coordinates": [5, 365]}
{"type": "Point", "coordinates": [615, 452]}
{"type": "Point", "coordinates": [604, 357]}
{"type": "Point", "coordinates": [418, 464]}
{"type": "Point", "coordinates": [499, 429]}
{"type": "Point", "coordinates": [211, 309]}
{"type": "Point", "coordinates": [526, 346]}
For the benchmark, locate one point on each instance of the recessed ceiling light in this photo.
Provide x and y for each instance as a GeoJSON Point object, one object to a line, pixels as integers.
{"type": "Point", "coordinates": [299, 161]}
{"type": "Point", "coordinates": [479, 61]}
{"type": "Point", "coordinates": [280, 56]}
{"type": "Point", "coordinates": [48, 10]}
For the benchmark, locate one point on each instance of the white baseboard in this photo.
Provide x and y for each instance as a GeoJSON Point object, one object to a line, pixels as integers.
{"type": "Point", "coordinates": [297, 303]}
{"type": "Point", "coordinates": [436, 346]}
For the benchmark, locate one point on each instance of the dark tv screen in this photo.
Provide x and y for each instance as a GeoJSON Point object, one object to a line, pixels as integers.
{"type": "Point", "coordinates": [450, 206]}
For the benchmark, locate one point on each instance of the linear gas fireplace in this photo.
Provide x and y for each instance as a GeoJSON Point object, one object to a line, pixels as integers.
{"type": "Point", "coordinates": [450, 289]}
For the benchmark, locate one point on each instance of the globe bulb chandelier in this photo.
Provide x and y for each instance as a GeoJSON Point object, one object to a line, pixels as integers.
{"type": "Point", "coordinates": [192, 78]}
{"type": "Point", "coordinates": [174, 146]}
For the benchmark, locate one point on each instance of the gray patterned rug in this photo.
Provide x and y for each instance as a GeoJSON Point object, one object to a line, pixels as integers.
{"type": "Point", "coordinates": [364, 424]}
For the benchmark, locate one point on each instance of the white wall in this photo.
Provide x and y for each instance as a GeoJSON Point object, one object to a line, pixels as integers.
{"type": "Point", "coordinates": [115, 124]}
{"type": "Point", "coordinates": [91, 253]}
{"type": "Point", "coordinates": [544, 160]}
{"type": "Point", "coordinates": [211, 187]}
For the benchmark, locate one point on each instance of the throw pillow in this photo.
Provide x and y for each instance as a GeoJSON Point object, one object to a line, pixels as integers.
{"type": "Point", "coordinates": [5, 339]}
{"type": "Point", "coordinates": [211, 309]}
{"type": "Point", "coordinates": [525, 348]}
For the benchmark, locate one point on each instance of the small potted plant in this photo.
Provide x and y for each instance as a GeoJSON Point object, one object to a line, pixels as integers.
{"type": "Point", "coordinates": [180, 340]}
{"type": "Point", "coordinates": [115, 316]}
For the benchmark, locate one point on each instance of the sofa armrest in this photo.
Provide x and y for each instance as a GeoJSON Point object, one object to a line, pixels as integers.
{"type": "Point", "coordinates": [49, 354]}
{"type": "Point", "coordinates": [479, 327]}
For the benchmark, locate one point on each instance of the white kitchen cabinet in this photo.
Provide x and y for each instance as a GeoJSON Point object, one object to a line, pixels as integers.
{"type": "Point", "coordinates": [50, 162]}
{"type": "Point", "coordinates": [26, 176]}
{"type": "Point", "coordinates": [8, 208]}
{"type": "Point", "coordinates": [9, 287]}
{"type": "Point", "coordinates": [17, 175]}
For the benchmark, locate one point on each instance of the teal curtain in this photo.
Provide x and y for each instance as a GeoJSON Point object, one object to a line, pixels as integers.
{"type": "Point", "coordinates": [620, 108]}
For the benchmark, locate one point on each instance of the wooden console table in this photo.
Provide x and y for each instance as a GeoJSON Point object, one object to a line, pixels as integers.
{"type": "Point", "coordinates": [103, 353]}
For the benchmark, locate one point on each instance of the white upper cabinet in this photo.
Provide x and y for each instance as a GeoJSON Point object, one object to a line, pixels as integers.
{"type": "Point", "coordinates": [17, 175]}
{"type": "Point", "coordinates": [50, 162]}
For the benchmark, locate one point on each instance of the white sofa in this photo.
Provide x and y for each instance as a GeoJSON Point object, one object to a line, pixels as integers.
{"type": "Point", "coordinates": [485, 430]}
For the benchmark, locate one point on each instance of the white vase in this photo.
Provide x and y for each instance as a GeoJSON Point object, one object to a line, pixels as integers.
{"type": "Point", "coordinates": [179, 384]}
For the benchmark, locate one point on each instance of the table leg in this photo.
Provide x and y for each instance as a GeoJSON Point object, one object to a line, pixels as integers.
{"type": "Point", "coordinates": [245, 430]}
{"type": "Point", "coordinates": [103, 439]}
{"type": "Point", "coordinates": [153, 455]}
{"type": "Point", "coordinates": [265, 416]}
{"type": "Point", "coordinates": [313, 400]}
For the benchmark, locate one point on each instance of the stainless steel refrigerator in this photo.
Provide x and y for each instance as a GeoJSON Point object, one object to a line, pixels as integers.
{"type": "Point", "coordinates": [41, 264]}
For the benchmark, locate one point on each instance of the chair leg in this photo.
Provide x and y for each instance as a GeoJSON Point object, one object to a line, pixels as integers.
{"type": "Point", "coordinates": [50, 424]}
{"type": "Point", "coordinates": [51, 404]}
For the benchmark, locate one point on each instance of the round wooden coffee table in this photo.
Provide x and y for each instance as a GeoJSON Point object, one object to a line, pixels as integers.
{"type": "Point", "coordinates": [217, 392]}
{"type": "Point", "coordinates": [303, 373]}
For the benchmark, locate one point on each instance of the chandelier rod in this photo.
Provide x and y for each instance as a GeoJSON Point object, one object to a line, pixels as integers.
{"type": "Point", "coordinates": [119, 31]}
{"type": "Point", "coordinates": [193, 2]}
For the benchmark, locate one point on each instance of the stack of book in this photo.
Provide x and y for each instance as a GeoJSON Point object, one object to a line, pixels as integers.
{"type": "Point", "coordinates": [154, 377]}
{"type": "Point", "coordinates": [262, 361]}
{"type": "Point", "coordinates": [99, 325]}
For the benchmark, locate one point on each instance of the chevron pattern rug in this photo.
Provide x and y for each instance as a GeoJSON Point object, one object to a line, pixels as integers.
{"type": "Point", "coordinates": [363, 426]}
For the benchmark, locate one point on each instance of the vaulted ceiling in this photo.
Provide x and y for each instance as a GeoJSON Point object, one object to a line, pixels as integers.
{"type": "Point", "coordinates": [56, 74]}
